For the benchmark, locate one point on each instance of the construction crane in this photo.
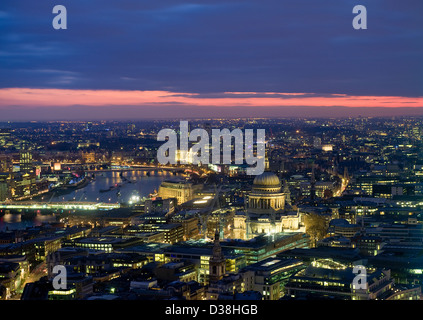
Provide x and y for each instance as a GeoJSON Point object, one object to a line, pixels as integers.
{"type": "Point", "coordinates": [52, 196]}
{"type": "Point", "coordinates": [216, 197]}
{"type": "Point", "coordinates": [215, 204]}
{"type": "Point", "coordinates": [80, 198]}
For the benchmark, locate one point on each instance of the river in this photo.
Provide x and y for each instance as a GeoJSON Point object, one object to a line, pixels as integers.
{"type": "Point", "coordinates": [141, 185]}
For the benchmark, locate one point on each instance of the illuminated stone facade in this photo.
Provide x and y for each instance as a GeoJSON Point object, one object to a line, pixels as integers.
{"type": "Point", "coordinates": [266, 208]}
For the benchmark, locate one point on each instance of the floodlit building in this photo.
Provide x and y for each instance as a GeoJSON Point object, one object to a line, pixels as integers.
{"type": "Point", "coordinates": [331, 280]}
{"type": "Point", "coordinates": [181, 190]}
{"type": "Point", "coordinates": [270, 276]}
{"type": "Point", "coordinates": [266, 208]}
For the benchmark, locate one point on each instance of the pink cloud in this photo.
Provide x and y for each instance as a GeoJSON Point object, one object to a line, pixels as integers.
{"type": "Point", "coordinates": [29, 97]}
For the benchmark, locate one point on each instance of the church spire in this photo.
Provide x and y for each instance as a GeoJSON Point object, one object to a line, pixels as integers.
{"type": "Point", "coordinates": [217, 262]}
{"type": "Point", "coordinates": [287, 192]}
{"type": "Point", "coordinates": [217, 249]}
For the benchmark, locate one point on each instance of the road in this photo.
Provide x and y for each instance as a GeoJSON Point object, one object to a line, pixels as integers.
{"type": "Point", "coordinates": [39, 271]}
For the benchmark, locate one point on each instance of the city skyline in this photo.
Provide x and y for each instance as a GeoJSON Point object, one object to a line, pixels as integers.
{"type": "Point", "coordinates": [224, 151]}
{"type": "Point", "coordinates": [90, 204]}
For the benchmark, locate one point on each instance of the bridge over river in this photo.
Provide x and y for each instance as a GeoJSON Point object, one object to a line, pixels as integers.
{"type": "Point", "coordinates": [68, 205]}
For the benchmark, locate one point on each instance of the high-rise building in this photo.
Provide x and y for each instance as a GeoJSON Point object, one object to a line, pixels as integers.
{"type": "Point", "coordinates": [4, 186]}
{"type": "Point", "coordinates": [317, 143]}
{"type": "Point", "coordinates": [25, 161]}
{"type": "Point", "coordinates": [5, 138]}
{"type": "Point", "coordinates": [6, 164]}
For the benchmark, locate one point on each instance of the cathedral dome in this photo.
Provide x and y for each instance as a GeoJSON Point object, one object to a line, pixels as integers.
{"type": "Point", "coordinates": [267, 179]}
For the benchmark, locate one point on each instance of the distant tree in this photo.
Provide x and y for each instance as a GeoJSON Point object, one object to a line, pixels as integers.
{"type": "Point", "coordinates": [2, 292]}
{"type": "Point", "coordinates": [315, 227]}
{"type": "Point", "coordinates": [328, 194]}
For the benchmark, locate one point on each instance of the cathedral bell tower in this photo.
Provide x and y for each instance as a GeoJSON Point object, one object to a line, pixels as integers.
{"type": "Point", "coordinates": [217, 267]}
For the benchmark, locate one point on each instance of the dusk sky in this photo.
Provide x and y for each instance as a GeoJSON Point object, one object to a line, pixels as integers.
{"type": "Point", "coordinates": [127, 59]}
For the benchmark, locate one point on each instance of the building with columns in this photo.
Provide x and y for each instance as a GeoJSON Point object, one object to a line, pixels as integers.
{"type": "Point", "coordinates": [267, 212]}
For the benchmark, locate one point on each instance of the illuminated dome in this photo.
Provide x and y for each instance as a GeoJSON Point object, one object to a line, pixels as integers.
{"type": "Point", "coordinates": [267, 179]}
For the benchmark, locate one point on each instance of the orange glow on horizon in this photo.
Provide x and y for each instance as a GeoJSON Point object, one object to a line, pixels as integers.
{"type": "Point", "coordinates": [29, 97]}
